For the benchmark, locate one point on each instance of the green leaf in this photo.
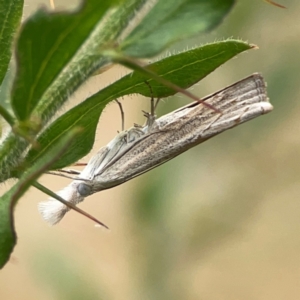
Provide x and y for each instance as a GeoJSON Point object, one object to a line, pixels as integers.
{"type": "Point", "coordinates": [88, 59]}
{"type": "Point", "coordinates": [9, 199]}
{"type": "Point", "coordinates": [10, 17]}
{"type": "Point", "coordinates": [47, 42]}
{"type": "Point", "coordinates": [6, 116]}
{"type": "Point", "coordinates": [184, 69]}
{"type": "Point", "coordinates": [82, 65]}
{"type": "Point", "coordinates": [171, 21]}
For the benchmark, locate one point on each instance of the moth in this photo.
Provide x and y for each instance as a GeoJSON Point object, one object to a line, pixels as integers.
{"type": "Point", "coordinates": [140, 149]}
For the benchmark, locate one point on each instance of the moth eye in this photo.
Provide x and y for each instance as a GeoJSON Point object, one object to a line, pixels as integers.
{"type": "Point", "coordinates": [84, 189]}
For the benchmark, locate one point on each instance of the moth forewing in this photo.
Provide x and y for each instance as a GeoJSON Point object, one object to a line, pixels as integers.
{"type": "Point", "coordinates": [118, 146]}
{"type": "Point", "coordinates": [186, 127]}
{"type": "Point", "coordinates": [137, 151]}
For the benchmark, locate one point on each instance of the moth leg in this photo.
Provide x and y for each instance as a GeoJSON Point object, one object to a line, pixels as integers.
{"type": "Point", "coordinates": [134, 134]}
{"type": "Point", "coordinates": [122, 113]}
{"type": "Point", "coordinates": [135, 125]}
{"type": "Point", "coordinates": [150, 118]}
{"type": "Point", "coordinates": [153, 105]}
{"type": "Point", "coordinates": [60, 172]}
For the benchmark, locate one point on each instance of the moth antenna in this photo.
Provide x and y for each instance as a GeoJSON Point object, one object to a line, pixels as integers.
{"type": "Point", "coordinates": [68, 171]}
{"type": "Point", "coordinates": [61, 174]}
{"type": "Point", "coordinates": [78, 164]}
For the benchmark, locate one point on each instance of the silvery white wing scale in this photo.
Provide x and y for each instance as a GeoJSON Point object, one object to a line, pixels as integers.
{"type": "Point", "coordinates": [138, 150]}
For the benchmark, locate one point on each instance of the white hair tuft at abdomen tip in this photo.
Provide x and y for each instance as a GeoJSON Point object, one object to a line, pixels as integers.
{"type": "Point", "coordinates": [53, 211]}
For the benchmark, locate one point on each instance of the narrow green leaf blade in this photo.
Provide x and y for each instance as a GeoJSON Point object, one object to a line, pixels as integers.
{"type": "Point", "coordinates": [9, 199]}
{"type": "Point", "coordinates": [184, 69]}
{"type": "Point", "coordinates": [47, 42]}
{"type": "Point", "coordinates": [173, 20]}
{"type": "Point", "coordinates": [10, 17]}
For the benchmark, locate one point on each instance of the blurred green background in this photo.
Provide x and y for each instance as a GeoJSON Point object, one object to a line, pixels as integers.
{"type": "Point", "coordinates": [221, 221]}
